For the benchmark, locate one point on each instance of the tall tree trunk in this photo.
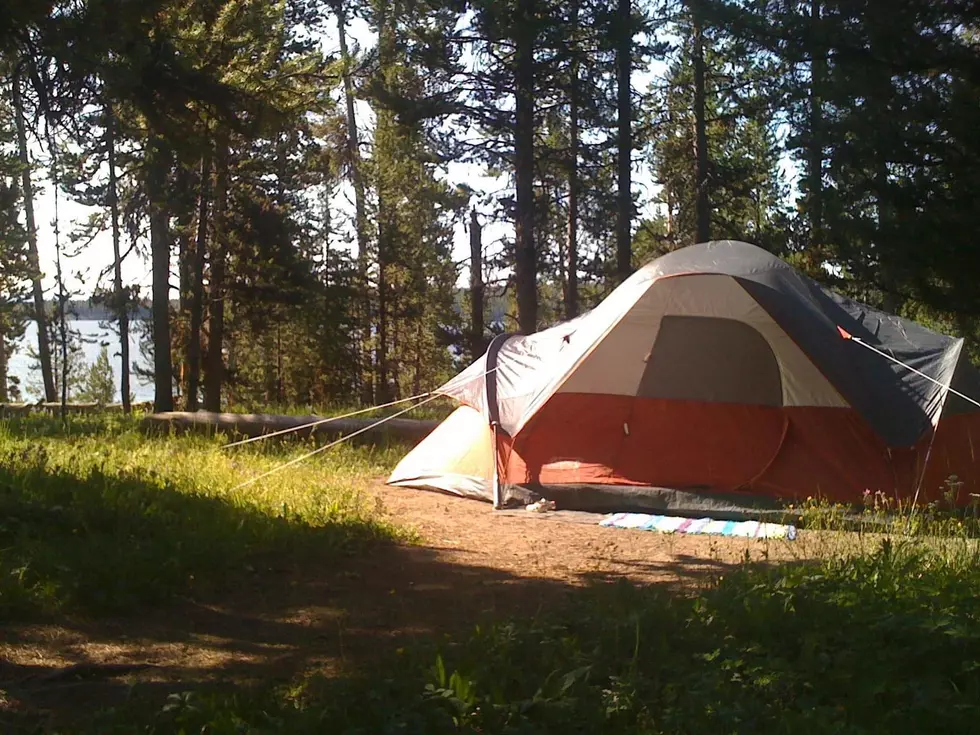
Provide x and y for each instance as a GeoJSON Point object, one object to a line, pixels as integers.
{"type": "Point", "coordinates": [40, 314]}
{"type": "Point", "coordinates": [624, 139]}
{"type": "Point", "coordinates": [185, 249]}
{"type": "Point", "coordinates": [197, 284]}
{"type": "Point", "coordinates": [326, 230]}
{"type": "Point", "coordinates": [4, 396]}
{"type": "Point", "coordinates": [387, 216]}
{"type": "Point", "coordinates": [119, 297]}
{"type": "Point", "coordinates": [360, 210]}
{"type": "Point", "coordinates": [889, 269]}
{"type": "Point", "coordinates": [385, 228]}
{"type": "Point", "coordinates": [419, 341]}
{"type": "Point", "coordinates": [214, 374]}
{"type": "Point", "coordinates": [571, 245]}
{"type": "Point", "coordinates": [267, 341]}
{"type": "Point", "coordinates": [157, 165]}
{"type": "Point", "coordinates": [477, 343]}
{"type": "Point", "coordinates": [279, 367]}
{"type": "Point", "coordinates": [818, 71]}
{"type": "Point", "coordinates": [525, 265]}
{"type": "Point", "coordinates": [703, 201]}
{"type": "Point", "coordinates": [60, 278]}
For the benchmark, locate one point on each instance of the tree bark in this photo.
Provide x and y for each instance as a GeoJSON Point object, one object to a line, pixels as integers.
{"type": "Point", "coordinates": [818, 70]}
{"type": "Point", "coordinates": [122, 307]}
{"type": "Point", "coordinates": [571, 280]}
{"type": "Point", "coordinates": [387, 217]}
{"type": "Point", "coordinates": [4, 397]}
{"type": "Point", "coordinates": [360, 216]}
{"type": "Point", "coordinates": [183, 186]}
{"type": "Point", "coordinates": [525, 265]}
{"type": "Point", "coordinates": [385, 229]}
{"type": "Point", "coordinates": [157, 165]}
{"type": "Point", "coordinates": [703, 200]}
{"type": "Point", "coordinates": [624, 140]}
{"type": "Point", "coordinates": [60, 278]}
{"type": "Point", "coordinates": [477, 343]}
{"type": "Point", "coordinates": [215, 367]}
{"type": "Point", "coordinates": [40, 313]}
{"type": "Point", "coordinates": [197, 285]}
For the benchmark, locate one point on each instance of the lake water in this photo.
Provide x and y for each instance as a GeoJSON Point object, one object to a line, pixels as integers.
{"type": "Point", "coordinates": [92, 336]}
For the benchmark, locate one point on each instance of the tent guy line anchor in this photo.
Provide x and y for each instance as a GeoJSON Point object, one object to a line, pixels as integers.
{"type": "Point", "coordinates": [857, 340]}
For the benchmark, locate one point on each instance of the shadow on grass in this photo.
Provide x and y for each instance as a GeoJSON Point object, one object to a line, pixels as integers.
{"type": "Point", "coordinates": [309, 609]}
{"type": "Point", "coordinates": [93, 541]}
{"type": "Point", "coordinates": [886, 642]}
{"type": "Point", "coordinates": [405, 642]}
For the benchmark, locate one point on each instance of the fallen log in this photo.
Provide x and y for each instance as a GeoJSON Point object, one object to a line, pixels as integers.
{"type": "Point", "coordinates": [249, 425]}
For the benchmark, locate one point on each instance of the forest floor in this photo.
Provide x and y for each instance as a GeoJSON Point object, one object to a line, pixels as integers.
{"type": "Point", "coordinates": [467, 566]}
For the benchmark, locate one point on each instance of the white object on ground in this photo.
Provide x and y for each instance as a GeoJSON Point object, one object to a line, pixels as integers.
{"type": "Point", "coordinates": [541, 506]}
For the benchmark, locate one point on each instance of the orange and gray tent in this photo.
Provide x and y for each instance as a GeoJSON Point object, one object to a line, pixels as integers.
{"type": "Point", "coordinates": [716, 377]}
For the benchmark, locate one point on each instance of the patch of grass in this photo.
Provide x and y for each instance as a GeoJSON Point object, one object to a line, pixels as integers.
{"type": "Point", "coordinates": [946, 517]}
{"type": "Point", "coordinates": [96, 517]}
{"type": "Point", "coordinates": [882, 642]}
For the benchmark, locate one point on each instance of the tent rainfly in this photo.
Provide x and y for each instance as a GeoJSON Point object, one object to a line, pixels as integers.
{"type": "Point", "coordinates": [716, 378]}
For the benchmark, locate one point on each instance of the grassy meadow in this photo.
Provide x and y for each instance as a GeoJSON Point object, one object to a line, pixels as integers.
{"type": "Point", "coordinates": [98, 518]}
{"type": "Point", "coordinates": [874, 630]}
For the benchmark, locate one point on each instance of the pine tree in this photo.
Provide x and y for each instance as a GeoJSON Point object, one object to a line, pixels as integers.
{"type": "Point", "coordinates": [15, 269]}
{"type": "Point", "coordinates": [97, 382]}
{"type": "Point", "coordinates": [27, 189]}
{"type": "Point", "coordinates": [715, 153]}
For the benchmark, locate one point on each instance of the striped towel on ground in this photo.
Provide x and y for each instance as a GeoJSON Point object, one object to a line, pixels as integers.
{"type": "Point", "coordinates": [699, 526]}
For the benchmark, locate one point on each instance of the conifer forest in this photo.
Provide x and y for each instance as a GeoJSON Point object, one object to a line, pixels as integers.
{"type": "Point", "coordinates": [343, 200]}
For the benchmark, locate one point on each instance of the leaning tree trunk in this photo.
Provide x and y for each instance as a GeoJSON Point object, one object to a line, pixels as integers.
{"type": "Point", "coordinates": [197, 284]}
{"type": "Point", "coordinates": [525, 261]}
{"type": "Point", "coordinates": [157, 166]}
{"type": "Point", "coordinates": [571, 281]}
{"type": "Point", "coordinates": [703, 201]}
{"type": "Point", "coordinates": [40, 313]}
{"type": "Point", "coordinates": [121, 302]}
{"type": "Point", "coordinates": [215, 367]}
{"type": "Point", "coordinates": [624, 140]}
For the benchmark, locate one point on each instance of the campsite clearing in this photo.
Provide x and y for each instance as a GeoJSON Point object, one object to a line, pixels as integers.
{"type": "Point", "coordinates": [275, 622]}
{"type": "Point", "coordinates": [133, 572]}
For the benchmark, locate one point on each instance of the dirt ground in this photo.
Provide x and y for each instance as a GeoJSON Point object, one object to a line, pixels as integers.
{"type": "Point", "coordinates": [275, 622]}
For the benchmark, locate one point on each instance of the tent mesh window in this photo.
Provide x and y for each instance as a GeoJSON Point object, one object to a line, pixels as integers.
{"type": "Point", "coordinates": [698, 358]}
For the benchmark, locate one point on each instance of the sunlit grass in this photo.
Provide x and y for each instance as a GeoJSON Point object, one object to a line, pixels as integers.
{"type": "Point", "coordinates": [97, 516]}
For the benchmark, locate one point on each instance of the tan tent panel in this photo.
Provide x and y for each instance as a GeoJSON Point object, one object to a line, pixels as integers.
{"type": "Point", "coordinates": [456, 458]}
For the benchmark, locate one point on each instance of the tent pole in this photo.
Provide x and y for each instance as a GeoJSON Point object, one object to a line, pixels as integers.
{"type": "Point", "coordinates": [498, 501]}
{"type": "Point", "coordinates": [493, 410]}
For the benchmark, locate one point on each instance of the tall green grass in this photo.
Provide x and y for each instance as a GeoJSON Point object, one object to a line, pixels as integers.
{"type": "Point", "coordinates": [96, 517]}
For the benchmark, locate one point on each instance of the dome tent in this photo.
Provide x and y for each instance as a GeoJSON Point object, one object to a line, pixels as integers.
{"type": "Point", "coordinates": [714, 378]}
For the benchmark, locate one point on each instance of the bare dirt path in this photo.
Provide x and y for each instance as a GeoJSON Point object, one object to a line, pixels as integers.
{"type": "Point", "coordinates": [279, 620]}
